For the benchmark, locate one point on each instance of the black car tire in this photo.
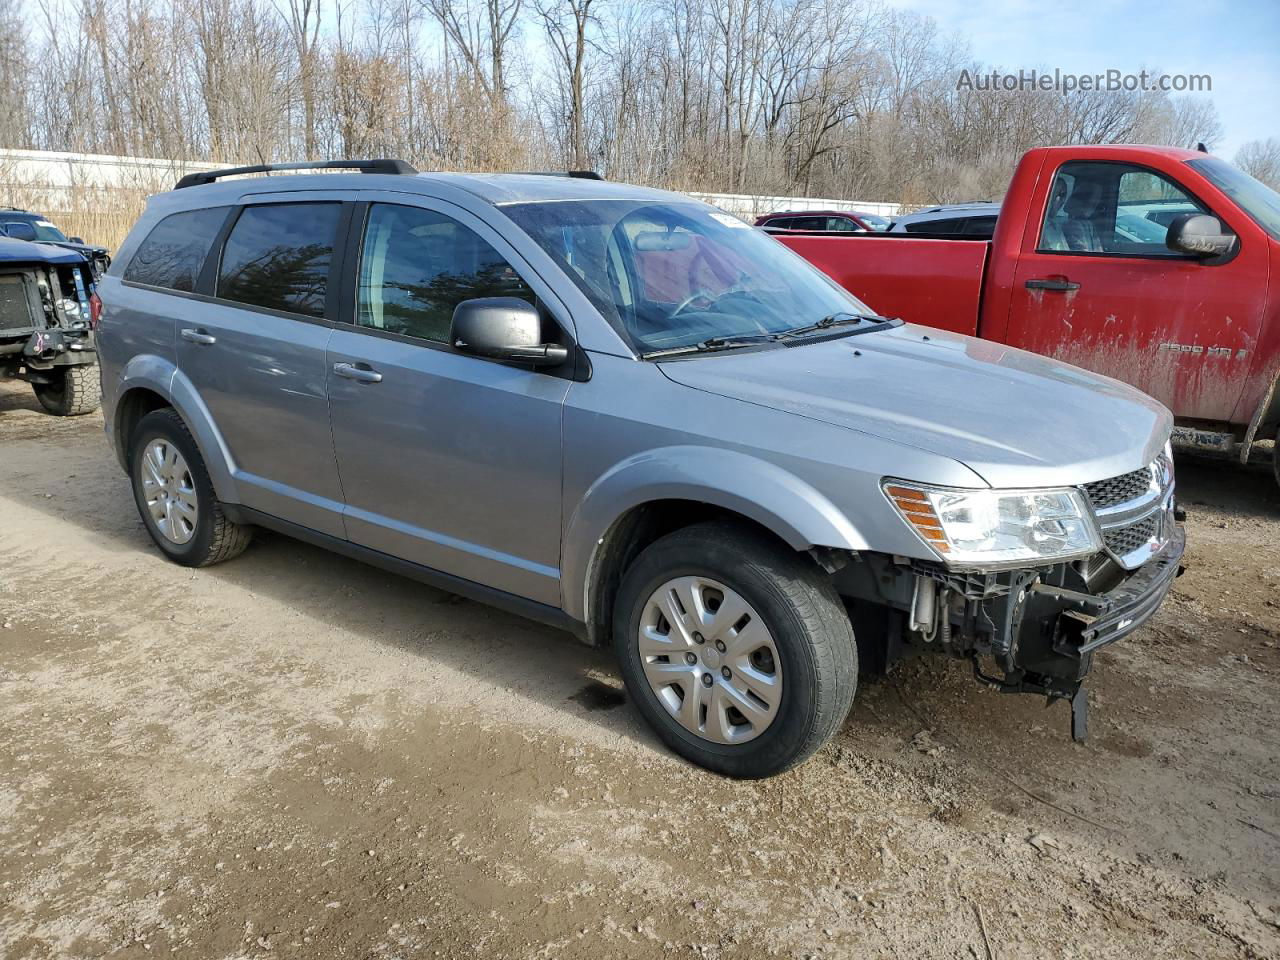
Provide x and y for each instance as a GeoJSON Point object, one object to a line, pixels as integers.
{"type": "Point", "coordinates": [215, 538]}
{"type": "Point", "coordinates": [72, 392]}
{"type": "Point", "coordinates": [1275, 458]}
{"type": "Point", "coordinates": [802, 612]}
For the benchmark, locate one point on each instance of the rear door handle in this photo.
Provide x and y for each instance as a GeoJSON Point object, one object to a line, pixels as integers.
{"type": "Point", "coordinates": [1052, 284]}
{"type": "Point", "coordinates": [199, 336]}
{"type": "Point", "coordinates": [353, 372]}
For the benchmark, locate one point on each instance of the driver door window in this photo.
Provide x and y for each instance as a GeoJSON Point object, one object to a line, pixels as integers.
{"type": "Point", "coordinates": [1112, 208]}
{"type": "Point", "coordinates": [416, 265]}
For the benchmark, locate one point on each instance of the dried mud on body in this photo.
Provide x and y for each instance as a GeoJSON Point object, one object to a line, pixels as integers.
{"type": "Point", "coordinates": [294, 755]}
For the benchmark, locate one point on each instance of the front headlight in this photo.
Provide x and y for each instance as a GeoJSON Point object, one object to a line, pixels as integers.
{"type": "Point", "coordinates": [990, 527]}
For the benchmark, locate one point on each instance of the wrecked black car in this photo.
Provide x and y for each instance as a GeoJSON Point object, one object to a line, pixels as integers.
{"type": "Point", "coordinates": [40, 229]}
{"type": "Point", "coordinates": [47, 302]}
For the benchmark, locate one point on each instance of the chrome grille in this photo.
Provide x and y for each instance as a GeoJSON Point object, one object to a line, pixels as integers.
{"type": "Point", "coordinates": [1134, 511]}
{"type": "Point", "coordinates": [1125, 540]}
{"type": "Point", "coordinates": [1118, 490]}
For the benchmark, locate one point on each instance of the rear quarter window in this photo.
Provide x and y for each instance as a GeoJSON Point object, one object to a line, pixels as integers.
{"type": "Point", "coordinates": [174, 251]}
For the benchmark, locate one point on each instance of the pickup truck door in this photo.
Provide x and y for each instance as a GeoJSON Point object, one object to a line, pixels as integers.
{"type": "Point", "coordinates": [1096, 286]}
{"type": "Point", "coordinates": [448, 460]}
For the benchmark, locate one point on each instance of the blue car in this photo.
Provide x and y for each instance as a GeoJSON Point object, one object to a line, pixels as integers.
{"type": "Point", "coordinates": [42, 230]}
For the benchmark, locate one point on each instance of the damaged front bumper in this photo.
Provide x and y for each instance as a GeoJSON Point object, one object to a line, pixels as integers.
{"type": "Point", "coordinates": [1025, 631]}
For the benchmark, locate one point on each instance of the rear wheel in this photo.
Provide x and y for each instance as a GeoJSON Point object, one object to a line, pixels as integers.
{"type": "Point", "coordinates": [175, 497]}
{"type": "Point", "coordinates": [735, 649]}
{"type": "Point", "coordinates": [71, 391]}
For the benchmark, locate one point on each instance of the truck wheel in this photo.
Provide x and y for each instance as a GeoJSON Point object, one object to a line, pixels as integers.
{"type": "Point", "coordinates": [72, 392]}
{"type": "Point", "coordinates": [1275, 458]}
{"type": "Point", "coordinates": [175, 497]}
{"type": "Point", "coordinates": [737, 651]}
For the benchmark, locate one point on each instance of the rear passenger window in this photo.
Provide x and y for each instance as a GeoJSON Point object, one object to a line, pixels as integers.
{"type": "Point", "coordinates": [175, 249]}
{"type": "Point", "coordinates": [979, 227]}
{"type": "Point", "coordinates": [934, 226]}
{"type": "Point", "coordinates": [277, 256]}
{"type": "Point", "coordinates": [417, 265]}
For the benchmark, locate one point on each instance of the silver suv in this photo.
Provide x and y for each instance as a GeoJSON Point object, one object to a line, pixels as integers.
{"type": "Point", "coordinates": [625, 413]}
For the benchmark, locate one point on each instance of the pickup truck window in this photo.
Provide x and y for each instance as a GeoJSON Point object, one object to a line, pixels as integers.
{"type": "Point", "coordinates": [669, 275]}
{"type": "Point", "coordinates": [1112, 208]}
{"type": "Point", "coordinates": [416, 265]}
{"type": "Point", "coordinates": [1256, 199]}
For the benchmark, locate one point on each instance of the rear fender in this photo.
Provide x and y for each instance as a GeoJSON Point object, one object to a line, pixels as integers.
{"type": "Point", "coordinates": [756, 489]}
{"type": "Point", "coordinates": [160, 376]}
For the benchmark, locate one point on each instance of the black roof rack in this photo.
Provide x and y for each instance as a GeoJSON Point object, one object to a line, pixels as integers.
{"type": "Point", "coordinates": [365, 166]}
{"type": "Point", "coordinates": [576, 174]}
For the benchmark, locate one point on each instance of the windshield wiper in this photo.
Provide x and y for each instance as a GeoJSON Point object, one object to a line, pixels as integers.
{"type": "Point", "coordinates": [834, 320]}
{"type": "Point", "coordinates": [711, 344]}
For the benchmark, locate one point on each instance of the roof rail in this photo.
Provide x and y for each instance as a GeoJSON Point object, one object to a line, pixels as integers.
{"type": "Point", "coordinates": [365, 166]}
{"type": "Point", "coordinates": [576, 174]}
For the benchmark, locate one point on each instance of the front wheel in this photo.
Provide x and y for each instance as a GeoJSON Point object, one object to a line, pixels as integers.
{"type": "Point", "coordinates": [1275, 458]}
{"type": "Point", "coordinates": [736, 650]}
{"type": "Point", "coordinates": [71, 391]}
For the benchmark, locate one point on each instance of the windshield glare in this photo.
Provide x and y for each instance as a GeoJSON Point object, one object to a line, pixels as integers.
{"type": "Point", "coordinates": [669, 275]}
{"type": "Point", "coordinates": [1255, 198]}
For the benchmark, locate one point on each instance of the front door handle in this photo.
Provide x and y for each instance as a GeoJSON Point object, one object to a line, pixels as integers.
{"type": "Point", "coordinates": [199, 336]}
{"type": "Point", "coordinates": [357, 372]}
{"type": "Point", "coordinates": [1052, 283]}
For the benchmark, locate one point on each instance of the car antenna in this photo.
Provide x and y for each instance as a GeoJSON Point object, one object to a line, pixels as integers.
{"type": "Point", "coordinates": [1201, 147]}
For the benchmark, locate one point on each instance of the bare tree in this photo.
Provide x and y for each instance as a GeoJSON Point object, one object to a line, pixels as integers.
{"type": "Point", "coordinates": [1261, 160]}
{"type": "Point", "coordinates": [303, 20]}
{"type": "Point", "coordinates": [15, 111]}
{"type": "Point", "coordinates": [568, 25]}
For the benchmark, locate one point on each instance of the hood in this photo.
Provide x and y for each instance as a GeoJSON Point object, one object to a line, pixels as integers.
{"type": "Point", "coordinates": [28, 251]}
{"type": "Point", "coordinates": [88, 249]}
{"type": "Point", "coordinates": [1015, 418]}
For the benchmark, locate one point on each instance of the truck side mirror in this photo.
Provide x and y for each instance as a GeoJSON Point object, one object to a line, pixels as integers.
{"type": "Point", "coordinates": [503, 328]}
{"type": "Point", "coordinates": [75, 239]}
{"type": "Point", "coordinates": [1199, 235]}
{"type": "Point", "coordinates": [20, 230]}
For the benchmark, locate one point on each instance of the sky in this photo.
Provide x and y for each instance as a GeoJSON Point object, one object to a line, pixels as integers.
{"type": "Point", "coordinates": [1237, 44]}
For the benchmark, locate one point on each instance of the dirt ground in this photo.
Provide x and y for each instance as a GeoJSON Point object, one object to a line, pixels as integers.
{"type": "Point", "coordinates": [296, 755]}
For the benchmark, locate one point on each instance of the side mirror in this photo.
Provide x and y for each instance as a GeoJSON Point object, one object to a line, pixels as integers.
{"type": "Point", "coordinates": [75, 239]}
{"type": "Point", "coordinates": [1199, 235]}
{"type": "Point", "coordinates": [20, 230]}
{"type": "Point", "coordinates": [504, 328]}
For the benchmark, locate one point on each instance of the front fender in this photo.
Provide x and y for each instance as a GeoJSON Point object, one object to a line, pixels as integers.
{"type": "Point", "coordinates": [754, 488]}
{"type": "Point", "coordinates": [160, 376]}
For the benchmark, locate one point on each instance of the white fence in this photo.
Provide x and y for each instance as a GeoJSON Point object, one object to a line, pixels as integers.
{"type": "Point", "coordinates": [53, 175]}
{"type": "Point", "coordinates": [749, 206]}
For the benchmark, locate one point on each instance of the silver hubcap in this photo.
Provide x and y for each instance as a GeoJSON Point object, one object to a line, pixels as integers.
{"type": "Point", "coordinates": [169, 491]}
{"type": "Point", "coordinates": [710, 660]}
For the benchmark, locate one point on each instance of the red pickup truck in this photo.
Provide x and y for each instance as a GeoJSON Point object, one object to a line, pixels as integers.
{"type": "Point", "coordinates": [1159, 267]}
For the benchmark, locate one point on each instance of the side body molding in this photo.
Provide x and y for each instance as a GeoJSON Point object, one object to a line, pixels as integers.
{"type": "Point", "coordinates": [160, 376]}
{"type": "Point", "coordinates": [762, 491]}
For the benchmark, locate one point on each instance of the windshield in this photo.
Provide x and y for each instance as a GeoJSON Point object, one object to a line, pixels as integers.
{"type": "Point", "coordinates": [1255, 198]}
{"type": "Point", "coordinates": [877, 223]}
{"type": "Point", "coordinates": [44, 229]}
{"type": "Point", "coordinates": [670, 275]}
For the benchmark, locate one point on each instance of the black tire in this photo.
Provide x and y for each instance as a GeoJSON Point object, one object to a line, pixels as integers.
{"type": "Point", "coordinates": [72, 392]}
{"type": "Point", "coordinates": [802, 611]}
{"type": "Point", "coordinates": [1275, 458]}
{"type": "Point", "coordinates": [215, 538]}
